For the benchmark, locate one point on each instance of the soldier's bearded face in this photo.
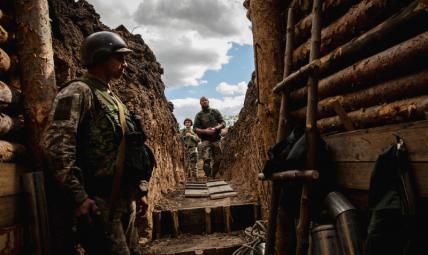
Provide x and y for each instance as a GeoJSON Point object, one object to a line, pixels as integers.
{"type": "Point", "coordinates": [204, 103]}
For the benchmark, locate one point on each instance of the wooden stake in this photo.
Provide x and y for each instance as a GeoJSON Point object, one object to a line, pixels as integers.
{"type": "Point", "coordinates": [311, 133]}
{"type": "Point", "coordinates": [343, 116]}
{"type": "Point", "coordinates": [157, 224]}
{"type": "Point", "coordinates": [208, 224]}
{"type": "Point", "coordinates": [34, 42]}
{"type": "Point", "coordinates": [175, 223]}
{"type": "Point", "coordinates": [227, 217]}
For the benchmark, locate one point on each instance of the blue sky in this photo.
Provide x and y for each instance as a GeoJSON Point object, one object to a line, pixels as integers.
{"type": "Point", "coordinates": [204, 47]}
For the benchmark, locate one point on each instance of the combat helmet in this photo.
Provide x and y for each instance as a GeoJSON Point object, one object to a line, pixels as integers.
{"type": "Point", "coordinates": [99, 46]}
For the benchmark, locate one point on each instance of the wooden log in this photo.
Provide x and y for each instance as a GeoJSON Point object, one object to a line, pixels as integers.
{"type": "Point", "coordinates": [400, 58]}
{"type": "Point", "coordinates": [343, 116]}
{"type": "Point", "coordinates": [9, 95]}
{"type": "Point", "coordinates": [157, 224]}
{"type": "Point", "coordinates": [355, 49]}
{"type": "Point", "coordinates": [4, 62]}
{"type": "Point", "coordinates": [273, 214]}
{"type": "Point", "coordinates": [359, 18]}
{"type": "Point", "coordinates": [410, 86]}
{"type": "Point", "coordinates": [34, 43]}
{"type": "Point", "coordinates": [331, 9]}
{"type": "Point", "coordinates": [227, 217]}
{"type": "Point", "coordinates": [4, 35]}
{"type": "Point", "coordinates": [10, 209]}
{"type": "Point", "coordinates": [34, 188]}
{"type": "Point", "coordinates": [400, 111]}
{"type": "Point", "coordinates": [175, 223]}
{"type": "Point", "coordinates": [10, 125]}
{"type": "Point", "coordinates": [10, 182]}
{"type": "Point", "coordinates": [208, 222]}
{"type": "Point", "coordinates": [292, 175]}
{"type": "Point", "coordinates": [10, 152]}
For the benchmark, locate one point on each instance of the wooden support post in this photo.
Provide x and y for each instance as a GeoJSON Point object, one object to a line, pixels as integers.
{"type": "Point", "coordinates": [227, 217]}
{"type": "Point", "coordinates": [175, 223]}
{"type": "Point", "coordinates": [355, 48]}
{"type": "Point", "coordinates": [257, 211]}
{"type": "Point", "coordinates": [302, 230]}
{"type": "Point", "coordinates": [208, 222]}
{"type": "Point", "coordinates": [283, 229]}
{"type": "Point", "coordinates": [343, 116]}
{"type": "Point", "coordinates": [157, 224]}
{"type": "Point", "coordinates": [36, 57]}
{"type": "Point", "coordinates": [34, 188]}
{"type": "Point", "coordinates": [273, 214]}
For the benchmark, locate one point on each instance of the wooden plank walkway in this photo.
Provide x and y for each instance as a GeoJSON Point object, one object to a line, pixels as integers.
{"type": "Point", "coordinates": [213, 189]}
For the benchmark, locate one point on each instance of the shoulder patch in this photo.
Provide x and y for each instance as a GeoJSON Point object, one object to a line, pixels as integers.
{"type": "Point", "coordinates": [63, 108]}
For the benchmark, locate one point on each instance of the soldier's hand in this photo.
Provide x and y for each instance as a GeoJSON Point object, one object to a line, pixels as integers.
{"type": "Point", "coordinates": [210, 131]}
{"type": "Point", "coordinates": [88, 206]}
{"type": "Point", "coordinates": [188, 134]}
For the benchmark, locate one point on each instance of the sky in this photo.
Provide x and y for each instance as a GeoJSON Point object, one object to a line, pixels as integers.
{"type": "Point", "coordinates": [204, 46]}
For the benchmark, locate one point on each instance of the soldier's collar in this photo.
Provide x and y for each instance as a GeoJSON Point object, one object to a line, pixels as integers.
{"type": "Point", "coordinates": [101, 85]}
{"type": "Point", "coordinates": [206, 109]}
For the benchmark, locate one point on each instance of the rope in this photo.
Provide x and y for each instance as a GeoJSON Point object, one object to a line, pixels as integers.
{"type": "Point", "coordinates": [254, 236]}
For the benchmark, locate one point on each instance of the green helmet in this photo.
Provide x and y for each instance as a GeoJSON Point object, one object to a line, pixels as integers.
{"type": "Point", "coordinates": [187, 119]}
{"type": "Point", "coordinates": [98, 47]}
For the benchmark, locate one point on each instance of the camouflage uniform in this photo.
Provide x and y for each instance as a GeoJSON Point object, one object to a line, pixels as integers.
{"type": "Point", "coordinates": [209, 147]}
{"type": "Point", "coordinates": [191, 152]}
{"type": "Point", "coordinates": [80, 143]}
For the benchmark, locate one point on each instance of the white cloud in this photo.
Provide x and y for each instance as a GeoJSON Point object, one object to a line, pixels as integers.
{"type": "Point", "coordinates": [188, 37]}
{"type": "Point", "coordinates": [227, 89]}
{"type": "Point", "coordinates": [189, 107]}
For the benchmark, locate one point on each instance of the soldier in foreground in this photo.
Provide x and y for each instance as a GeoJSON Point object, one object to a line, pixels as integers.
{"type": "Point", "coordinates": [208, 125]}
{"type": "Point", "coordinates": [190, 142]}
{"type": "Point", "coordinates": [85, 145]}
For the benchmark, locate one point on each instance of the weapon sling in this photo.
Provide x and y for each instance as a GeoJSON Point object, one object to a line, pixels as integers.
{"type": "Point", "coordinates": [120, 159]}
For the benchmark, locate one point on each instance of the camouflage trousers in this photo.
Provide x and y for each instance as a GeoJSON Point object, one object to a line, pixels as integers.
{"type": "Point", "coordinates": [190, 161]}
{"type": "Point", "coordinates": [113, 234]}
{"type": "Point", "coordinates": [207, 152]}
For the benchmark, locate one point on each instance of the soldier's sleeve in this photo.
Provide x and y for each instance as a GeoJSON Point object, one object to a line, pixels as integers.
{"type": "Point", "coordinates": [219, 117]}
{"type": "Point", "coordinates": [196, 123]}
{"type": "Point", "coordinates": [59, 138]}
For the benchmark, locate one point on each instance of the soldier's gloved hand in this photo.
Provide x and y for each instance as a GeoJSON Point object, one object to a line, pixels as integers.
{"type": "Point", "coordinates": [86, 208]}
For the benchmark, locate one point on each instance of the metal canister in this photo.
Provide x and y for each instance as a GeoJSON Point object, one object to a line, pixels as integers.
{"type": "Point", "coordinates": [324, 241]}
{"type": "Point", "coordinates": [347, 224]}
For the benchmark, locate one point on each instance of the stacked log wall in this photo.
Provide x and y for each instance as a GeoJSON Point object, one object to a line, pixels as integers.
{"type": "Point", "coordinates": [13, 152]}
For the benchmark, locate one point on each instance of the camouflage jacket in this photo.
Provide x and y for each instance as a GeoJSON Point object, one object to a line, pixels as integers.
{"type": "Point", "coordinates": [82, 137]}
{"type": "Point", "coordinates": [189, 141]}
{"type": "Point", "coordinates": [206, 119]}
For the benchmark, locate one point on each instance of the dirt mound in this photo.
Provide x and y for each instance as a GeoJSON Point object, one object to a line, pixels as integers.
{"type": "Point", "coordinates": [141, 87]}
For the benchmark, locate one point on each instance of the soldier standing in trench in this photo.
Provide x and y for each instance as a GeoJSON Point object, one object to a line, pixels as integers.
{"type": "Point", "coordinates": [85, 145]}
{"type": "Point", "coordinates": [208, 125]}
{"type": "Point", "coordinates": [190, 142]}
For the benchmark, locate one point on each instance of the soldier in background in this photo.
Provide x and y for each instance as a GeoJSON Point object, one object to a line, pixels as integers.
{"type": "Point", "coordinates": [85, 145]}
{"type": "Point", "coordinates": [208, 125]}
{"type": "Point", "coordinates": [190, 142]}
